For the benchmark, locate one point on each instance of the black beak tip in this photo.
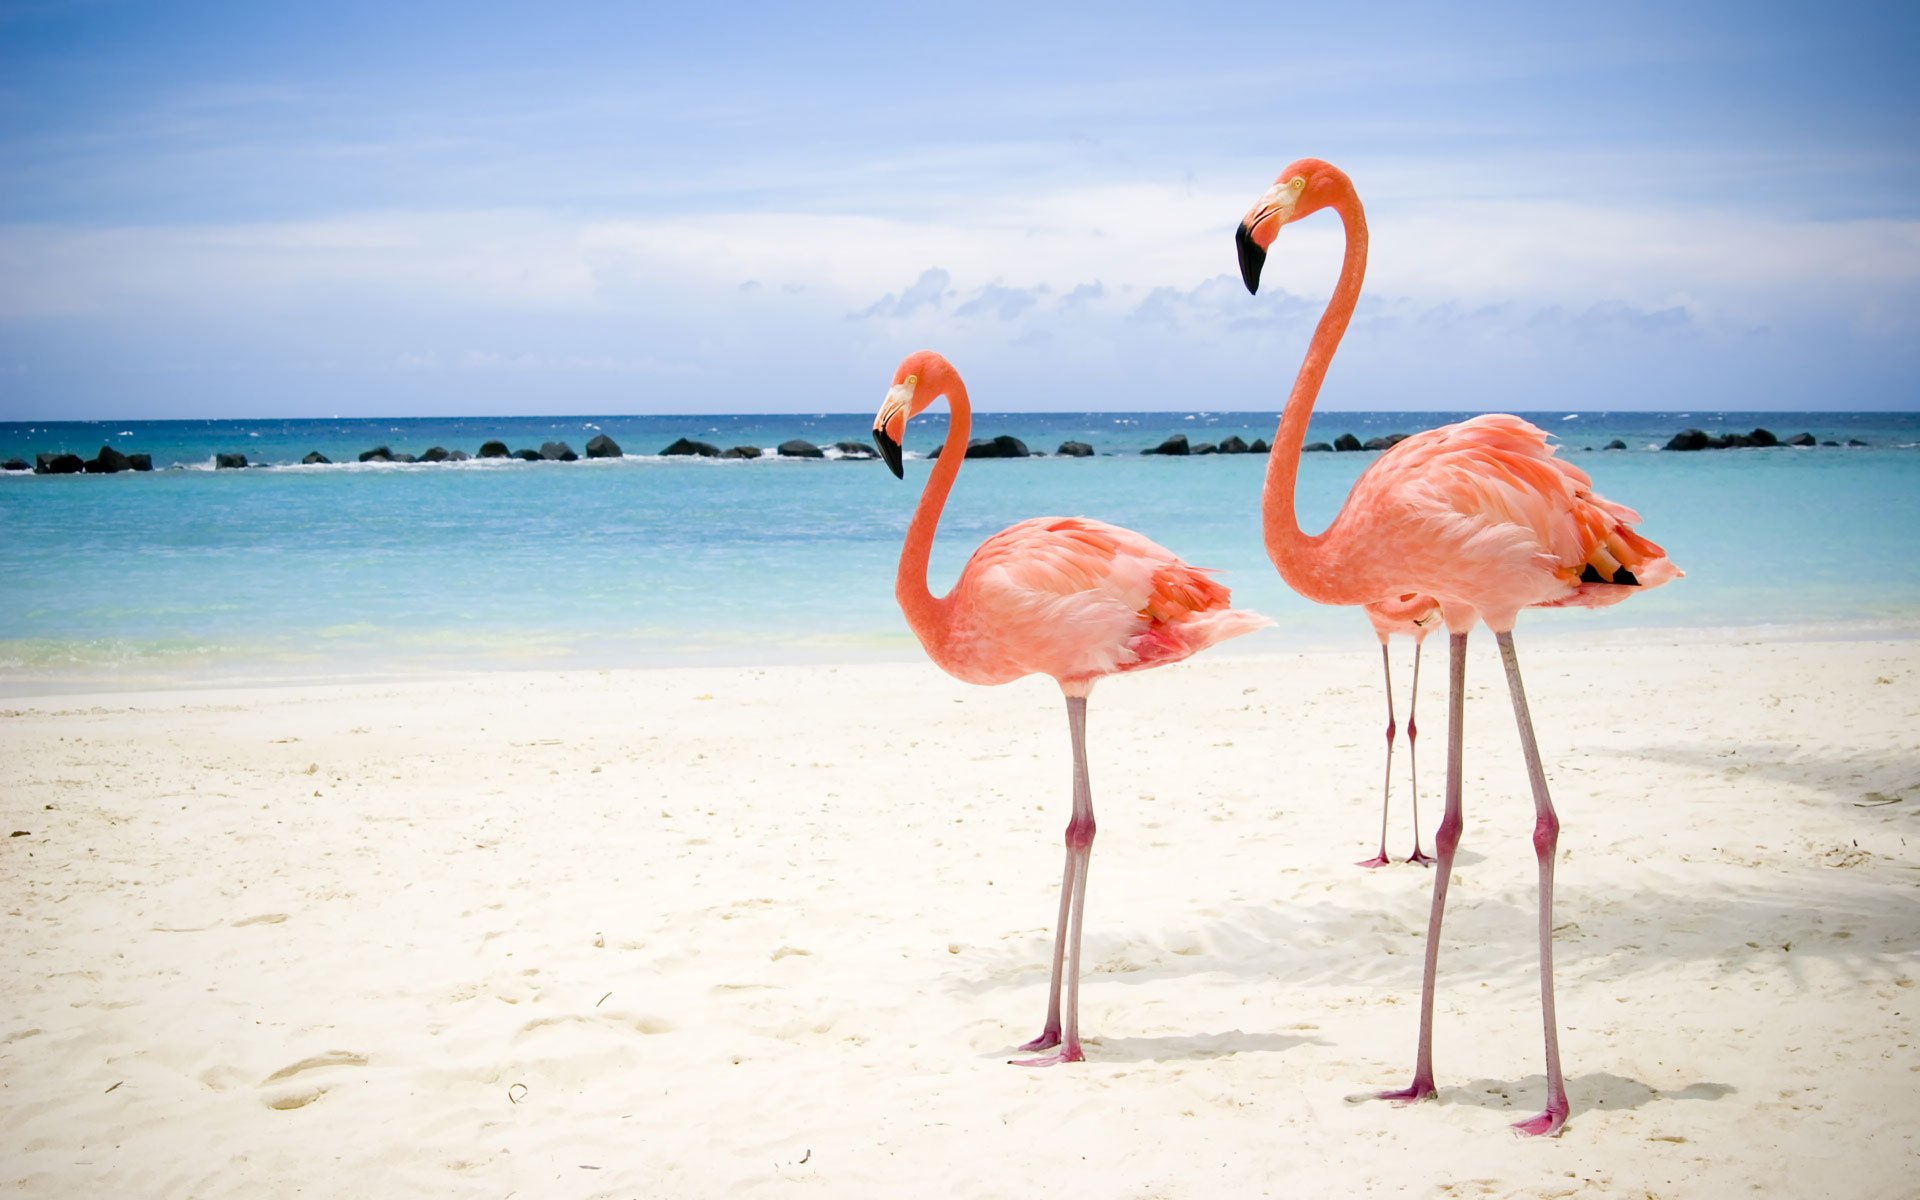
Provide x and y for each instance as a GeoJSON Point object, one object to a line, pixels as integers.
{"type": "Point", "coordinates": [890, 451]}
{"type": "Point", "coordinates": [1252, 258]}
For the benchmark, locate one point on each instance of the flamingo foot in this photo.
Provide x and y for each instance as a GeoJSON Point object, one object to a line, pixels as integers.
{"type": "Point", "coordinates": [1422, 857]}
{"type": "Point", "coordinates": [1547, 1124]}
{"type": "Point", "coordinates": [1048, 1039]}
{"type": "Point", "coordinates": [1067, 1054]}
{"type": "Point", "coordinates": [1418, 1090]}
{"type": "Point", "coordinates": [1378, 860]}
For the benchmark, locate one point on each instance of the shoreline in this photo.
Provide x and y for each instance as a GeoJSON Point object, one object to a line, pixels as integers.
{"type": "Point", "coordinates": [617, 932]}
{"type": "Point", "coordinates": [399, 664]}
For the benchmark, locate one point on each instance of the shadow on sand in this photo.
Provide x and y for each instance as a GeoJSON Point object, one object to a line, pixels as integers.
{"type": "Point", "coordinates": [1596, 1091]}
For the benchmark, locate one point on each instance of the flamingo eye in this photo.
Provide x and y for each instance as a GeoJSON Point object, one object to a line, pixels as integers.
{"type": "Point", "coordinates": [1297, 183]}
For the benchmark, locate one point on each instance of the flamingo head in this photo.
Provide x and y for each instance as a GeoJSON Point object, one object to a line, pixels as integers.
{"type": "Point", "coordinates": [920, 380]}
{"type": "Point", "coordinates": [1306, 186]}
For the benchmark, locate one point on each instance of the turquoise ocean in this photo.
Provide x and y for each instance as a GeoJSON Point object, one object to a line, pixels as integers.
{"type": "Point", "coordinates": [190, 574]}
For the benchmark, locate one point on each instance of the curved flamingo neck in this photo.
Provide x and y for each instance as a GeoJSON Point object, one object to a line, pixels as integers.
{"type": "Point", "coordinates": [1305, 561]}
{"type": "Point", "coordinates": [926, 613]}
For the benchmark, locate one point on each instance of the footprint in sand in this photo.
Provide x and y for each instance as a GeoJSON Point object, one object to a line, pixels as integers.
{"type": "Point", "coordinates": [298, 1092]}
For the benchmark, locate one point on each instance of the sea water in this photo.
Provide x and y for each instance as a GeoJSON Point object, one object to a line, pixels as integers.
{"type": "Point", "coordinates": [190, 573]}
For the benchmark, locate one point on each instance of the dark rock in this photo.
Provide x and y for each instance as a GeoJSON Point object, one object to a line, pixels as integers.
{"type": "Point", "coordinates": [1316, 447]}
{"type": "Point", "coordinates": [684, 446]}
{"type": "Point", "coordinates": [1003, 446]}
{"type": "Point", "coordinates": [1799, 439]}
{"type": "Point", "coordinates": [1690, 439]}
{"type": "Point", "coordinates": [1385, 443]}
{"type": "Point", "coordinates": [1855, 442]}
{"type": "Point", "coordinates": [527, 455]}
{"type": "Point", "coordinates": [495, 450]}
{"type": "Point", "coordinates": [1259, 446]}
{"type": "Point", "coordinates": [141, 462]}
{"type": "Point", "coordinates": [1615, 444]}
{"type": "Point", "coordinates": [458, 456]}
{"type": "Point", "coordinates": [107, 462]}
{"type": "Point", "coordinates": [799, 448]}
{"type": "Point", "coordinates": [16, 464]}
{"type": "Point", "coordinates": [743, 452]}
{"type": "Point", "coordinates": [1762, 437]}
{"type": "Point", "coordinates": [377, 454]}
{"type": "Point", "coordinates": [405, 458]}
{"type": "Point", "coordinates": [1177, 444]}
{"type": "Point", "coordinates": [1829, 443]}
{"type": "Point", "coordinates": [435, 454]}
{"type": "Point", "coordinates": [856, 450]}
{"type": "Point", "coordinates": [1206, 448]}
{"type": "Point", "coordinates": [1075, 450]}
{"type": "Point", "coordinates": [1233, 444]}
{"type": "Point", "coordinates": [602, 446]}
{"type": "Point", "coordinates": [314, 456]}
{"type": "Point", "coordinates": [1347, 441]}
{"type": "Point", "coordinates": [558, 452]}
{"type": "Point", "coordinates": [229, 462]}
{"type": "Point", "coordinates": [65, 464]}
{"type": "Point", "coordinates": [1730, 441]}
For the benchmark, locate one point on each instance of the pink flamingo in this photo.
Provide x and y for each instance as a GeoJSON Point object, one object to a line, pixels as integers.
{"type": "Point", "coordinates": [1415, 616]}
{"type": "Point", "coordinates": [1479, 515]}
{"type": "Point", "coordinates": [1060, 596]}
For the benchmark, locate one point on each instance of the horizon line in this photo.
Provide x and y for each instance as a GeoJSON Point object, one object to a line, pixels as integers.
{"type": "Point", "coordinates": [1273, 413]}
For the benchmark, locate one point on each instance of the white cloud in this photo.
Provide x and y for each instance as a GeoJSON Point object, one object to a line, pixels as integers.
{"type": "Point", "coordinates": [928, 290]}
{"type": "Point", "coordinates": [1002, 255]}
{"type": "Point", "coordinates": [1132, 287]}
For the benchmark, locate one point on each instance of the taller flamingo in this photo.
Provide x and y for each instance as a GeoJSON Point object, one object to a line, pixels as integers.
{"type": "Point", "coordinates": [1062, 596]}
{"type": "Point", "coordinates": [1479, 515]}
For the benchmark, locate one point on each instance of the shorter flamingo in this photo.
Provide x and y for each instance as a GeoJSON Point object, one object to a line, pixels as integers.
{"type": "Point", "coordinates": [1062, 596]}
{"type": "Point", "coordinates": [1414, 615]}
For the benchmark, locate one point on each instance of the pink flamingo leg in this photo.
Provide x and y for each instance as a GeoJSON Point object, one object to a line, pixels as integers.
{"type": "Point", "coordinates": [1050, 1034]}
{"type": "Point", "coordinates": [1386, 787]}
{"type": "Point", "coordinates": [1413, 760]}
{"type": "Point", "coordinates": [1546, 837]}
{"type": "Point", "coordinates": [1073, 900]}
{"type": "Point", "coordinates": [1446, 840]}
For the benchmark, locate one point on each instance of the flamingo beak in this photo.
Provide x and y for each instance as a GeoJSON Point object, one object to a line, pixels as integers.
{"type": "Point", "coordinates": [1252, 256]}
{"type": "Point", "coordinates": [890, 425]}
{"type": "Point", "coordinates": [889, 450]}
{"type": "Point", "coordinates": [1262, 225]}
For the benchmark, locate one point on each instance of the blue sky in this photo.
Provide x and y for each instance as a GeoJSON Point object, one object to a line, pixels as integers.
{"type": "Point", "coordinates": [307, 210]}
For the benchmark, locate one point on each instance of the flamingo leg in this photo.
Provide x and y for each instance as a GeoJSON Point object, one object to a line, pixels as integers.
{"type": "Point", "coordinates": [1546, 837]}
{"type": "Point", "coordinates": [1073, 898]}
{"type": "Point", "coordinates": [1050, 1034]}
{"type": "Point", "coordinates": [1446, 840]}
{"type": "Point", "coordinates": [1386, 787]}
{"type": "Point", "coordinates": [1413, 760]}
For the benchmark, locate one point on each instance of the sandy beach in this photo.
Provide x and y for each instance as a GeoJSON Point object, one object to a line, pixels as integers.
{"type": "Point", "coordinates": [777, 931]}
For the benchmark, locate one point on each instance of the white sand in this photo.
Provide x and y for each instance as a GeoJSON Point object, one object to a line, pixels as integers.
{"type": "Point", "coordinates": [748, 932]}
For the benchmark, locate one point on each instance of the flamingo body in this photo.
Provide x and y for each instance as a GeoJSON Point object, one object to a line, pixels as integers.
{"type": "Point", "coordinates": [1485, 517]}
{"type": "Point", "coordinates": [1078, 599]}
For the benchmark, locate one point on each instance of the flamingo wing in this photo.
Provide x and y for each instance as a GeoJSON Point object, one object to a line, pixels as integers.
{"type": "Point", "coordinates": [1077, 599]}
{"type": "Point", "coordinates": [1496, 516]}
